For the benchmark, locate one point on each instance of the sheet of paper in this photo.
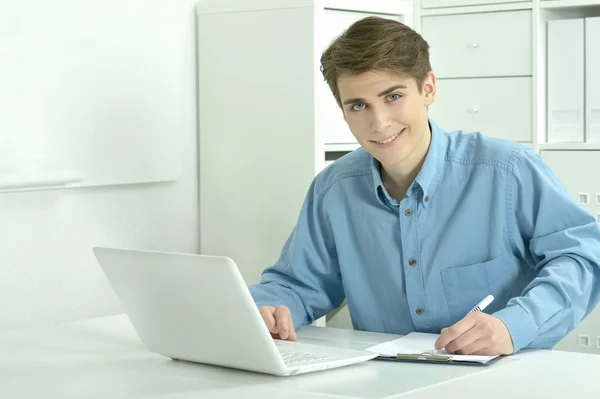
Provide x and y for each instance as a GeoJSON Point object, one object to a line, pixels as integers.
{"type": "Point", "coordinates": [419, 343]}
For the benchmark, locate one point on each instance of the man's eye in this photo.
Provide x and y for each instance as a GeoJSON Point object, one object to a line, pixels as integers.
{"type": "Point", "coordinates": [358, 107]}
{"type": "Point", "coordinates": [394, 96]}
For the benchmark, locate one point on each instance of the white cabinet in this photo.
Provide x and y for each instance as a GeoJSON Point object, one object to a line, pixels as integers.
{"type": "Point", "coordinates": [480, 44]}
{"type": "Point", "coordinates": [484, 70]}
{"type": "Point", "coordinates": [472, 46]}
{"type": "Point", "coordinates": [486, 105]}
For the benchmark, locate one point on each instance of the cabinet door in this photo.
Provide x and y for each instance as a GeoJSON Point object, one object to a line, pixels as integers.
{"type": "Point", "coordinates": [480, 44]}
{"type": "Point", "coordinates": [336, 130]}
{"type": "Point", "coordinates": [576, 171]}
{"type": "Point", "coordinates": [496, 107]}
{"type": "Point", "coordinates": [454, 3]}
{"type": "Point", "coordinates": [592, 79]}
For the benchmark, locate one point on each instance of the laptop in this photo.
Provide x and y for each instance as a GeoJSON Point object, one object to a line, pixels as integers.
{"type": "Point", "coordinates": [198, 308]}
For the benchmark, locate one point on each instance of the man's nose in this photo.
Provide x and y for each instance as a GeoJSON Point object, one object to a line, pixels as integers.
{"type": "Point", "coordinates": [381, 121]}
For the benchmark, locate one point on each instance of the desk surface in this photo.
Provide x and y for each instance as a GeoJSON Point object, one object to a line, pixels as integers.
{"type": "Point", "coordinates": [104, 358]}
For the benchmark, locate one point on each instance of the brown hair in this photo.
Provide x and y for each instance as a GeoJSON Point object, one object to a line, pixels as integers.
{"type": "Point", "coordinates": [375, 43]}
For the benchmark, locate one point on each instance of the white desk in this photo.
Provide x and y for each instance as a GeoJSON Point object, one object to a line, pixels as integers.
{"type": "Point", "coordinates": [103, 358]}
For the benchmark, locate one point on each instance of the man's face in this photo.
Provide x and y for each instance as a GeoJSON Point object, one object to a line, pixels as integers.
{"type": "Point", "coordinates": [387, 113]}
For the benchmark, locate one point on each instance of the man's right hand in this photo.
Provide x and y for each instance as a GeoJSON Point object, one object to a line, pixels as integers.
{"type": "Point", "coordinates": [279, 322]}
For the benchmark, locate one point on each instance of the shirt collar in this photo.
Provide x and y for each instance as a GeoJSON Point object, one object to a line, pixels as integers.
{"type": "Point", "coordinates": [429, 175]}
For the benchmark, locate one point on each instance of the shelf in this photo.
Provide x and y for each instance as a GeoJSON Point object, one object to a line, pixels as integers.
{"type": "Point", "coordinates": [570, 146]}
{"type": "Point", "coordinates": [554, 4]}
{"type": "Point", "coordinates": [347, 147]}
{"type": "Point", "coordinates": [526, 5]}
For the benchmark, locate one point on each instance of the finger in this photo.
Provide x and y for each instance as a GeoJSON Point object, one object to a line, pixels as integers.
{"type": "Point", "coordinates": [467, 338]}
{"type": "Point", "coordinates": [283, 319]}
{"type": "Point", "coordinates": [477, 346]}
{"type": "Point", "coordinates": [292, 334]}
{"type": "Point", "coordinates": [480, 346]}
{"type": "Point", "coordinates": [285, 324]}
{"type": "Point", "coordinates": [267, 314]}
{"type": "Point", "coordinates": [456, 330]}
{"type": "Point", "coordinates": [486, 352]}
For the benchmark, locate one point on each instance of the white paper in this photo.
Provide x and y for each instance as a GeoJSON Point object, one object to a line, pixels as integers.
{"type": "Point", "coordinates": [421, 343]}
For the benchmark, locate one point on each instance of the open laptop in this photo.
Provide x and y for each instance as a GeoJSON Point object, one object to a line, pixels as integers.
{"type": "Point", "coordinates": [198, 308]}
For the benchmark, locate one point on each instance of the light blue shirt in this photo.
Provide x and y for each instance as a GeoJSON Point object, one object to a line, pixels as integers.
{"type": "Point", "coordinates": [484, 216]}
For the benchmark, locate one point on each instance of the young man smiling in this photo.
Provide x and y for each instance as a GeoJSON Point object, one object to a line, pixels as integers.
{"type": "Point", "coordinates": [419, 225]}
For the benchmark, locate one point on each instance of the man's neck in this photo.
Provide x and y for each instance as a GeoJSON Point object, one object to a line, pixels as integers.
{"type": "Point", "coordinates": [398, 178]}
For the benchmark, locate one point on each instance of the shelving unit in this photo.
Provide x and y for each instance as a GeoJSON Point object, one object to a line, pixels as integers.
{"type": "Point", "coordinates": [534, 81]}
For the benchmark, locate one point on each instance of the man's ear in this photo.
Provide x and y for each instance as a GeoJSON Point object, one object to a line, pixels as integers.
{"type": "Point", "coordinates": [429, 90]}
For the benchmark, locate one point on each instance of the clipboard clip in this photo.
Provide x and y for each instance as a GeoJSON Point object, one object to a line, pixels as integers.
{"type": "Point", "coordinates": [424, 356]}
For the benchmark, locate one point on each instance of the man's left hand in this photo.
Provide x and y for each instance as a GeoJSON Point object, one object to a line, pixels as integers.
{"type": "Point", "coordinates": [477, 333]}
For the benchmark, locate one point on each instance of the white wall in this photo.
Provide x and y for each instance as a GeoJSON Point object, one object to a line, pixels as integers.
{"type": "Point", "coordinates": [47, 270]}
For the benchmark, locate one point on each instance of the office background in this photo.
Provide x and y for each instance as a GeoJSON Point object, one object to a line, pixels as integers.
{"type": "Point", "coordinates": [127, 154]}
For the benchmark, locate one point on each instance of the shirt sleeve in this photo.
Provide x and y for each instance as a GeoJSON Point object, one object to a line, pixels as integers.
{"type": "Point", "coordinates": [306, 276]}
{"type": "Point", "coordinates": [561, 243]}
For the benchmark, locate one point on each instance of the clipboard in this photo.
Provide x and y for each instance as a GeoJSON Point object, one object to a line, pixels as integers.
{"type": "Point", "coordinates": [414, 347]}
{"type": "Point", "coordinates": [433, 358]}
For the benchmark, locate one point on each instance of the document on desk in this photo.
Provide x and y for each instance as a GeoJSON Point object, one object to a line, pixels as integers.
{"type": "Point", "coordinates": [420, 346]}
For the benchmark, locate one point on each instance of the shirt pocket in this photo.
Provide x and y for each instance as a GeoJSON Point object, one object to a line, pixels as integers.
{"type": "Point", "coordinates": [465, 286]}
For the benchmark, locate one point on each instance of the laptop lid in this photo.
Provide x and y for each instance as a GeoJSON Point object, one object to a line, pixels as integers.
{"type": "Point", "coordinates": [191, 307]}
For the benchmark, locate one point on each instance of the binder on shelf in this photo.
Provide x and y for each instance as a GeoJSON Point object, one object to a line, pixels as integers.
{"type": "Point", "coordinates": [592, 79]}
{"type": "Point", "coordinates": [565, 67]}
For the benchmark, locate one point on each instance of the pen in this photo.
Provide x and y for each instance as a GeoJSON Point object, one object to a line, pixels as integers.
{"type": "Point", "coordinates": [483, 304]}
{"type": "Point", "coordinates": [478, 308]}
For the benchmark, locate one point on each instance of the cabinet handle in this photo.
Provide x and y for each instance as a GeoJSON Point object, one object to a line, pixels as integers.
{"type": "Point", "coordinates": [473, 110]}
{"type": "Point", "coordinates": [473, 45]}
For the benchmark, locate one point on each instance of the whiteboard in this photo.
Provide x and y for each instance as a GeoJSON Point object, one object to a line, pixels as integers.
{"type": "Point", "coordinates": [93, 92]}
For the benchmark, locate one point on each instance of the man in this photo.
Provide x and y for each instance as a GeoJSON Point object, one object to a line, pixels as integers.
{"type": "Point", "coordinates": [418, 225]}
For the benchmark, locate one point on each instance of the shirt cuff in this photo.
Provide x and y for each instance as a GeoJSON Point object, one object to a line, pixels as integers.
{"type": "Point", "coordinates": [262, 298]}
{"type": "Point", "coordinates": [520, 325]}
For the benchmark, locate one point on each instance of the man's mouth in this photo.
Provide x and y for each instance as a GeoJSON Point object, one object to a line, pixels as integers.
{"type": "Point", "coordinates": [390, 139]}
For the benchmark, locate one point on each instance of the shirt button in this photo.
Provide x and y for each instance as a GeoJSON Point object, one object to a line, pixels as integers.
{"type": "Point", "coordinates": [426, 199]}
{"type": "Point", "coordinates": [412, 262]}
{"type": "Point", "coordinates": [419, 311]}
{"type": "Point", "coordinates": [408, 212]}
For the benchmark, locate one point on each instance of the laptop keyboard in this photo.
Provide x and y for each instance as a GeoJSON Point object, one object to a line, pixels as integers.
{"type": "Point", "coordinates": [299, 357]}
